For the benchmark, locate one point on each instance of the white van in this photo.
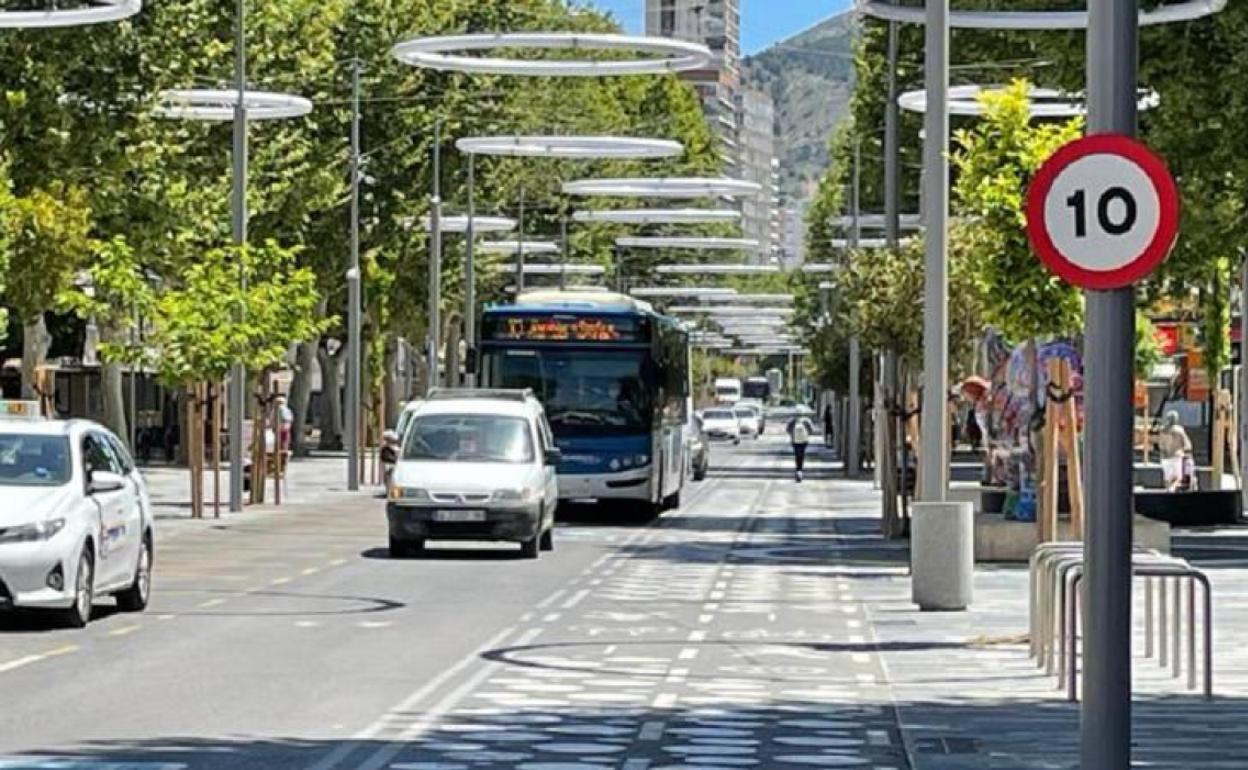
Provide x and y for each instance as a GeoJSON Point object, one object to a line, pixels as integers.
{"type": "Point", "coordinates": [727, 390]}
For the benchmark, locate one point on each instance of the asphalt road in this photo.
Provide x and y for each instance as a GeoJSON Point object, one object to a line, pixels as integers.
{"type": "Point", "coordinates": [723, 635]}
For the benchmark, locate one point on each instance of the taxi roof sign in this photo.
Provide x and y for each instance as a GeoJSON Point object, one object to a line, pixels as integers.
{"type": "Point", "coordinates": [20, 410]}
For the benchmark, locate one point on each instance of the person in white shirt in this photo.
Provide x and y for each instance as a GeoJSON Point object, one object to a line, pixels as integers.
{"type": "Point", "coordinates": [800, 430]}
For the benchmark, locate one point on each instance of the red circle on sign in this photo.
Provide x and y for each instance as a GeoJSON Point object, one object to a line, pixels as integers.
{"type": "Point", "coordinates": [1167, 222]}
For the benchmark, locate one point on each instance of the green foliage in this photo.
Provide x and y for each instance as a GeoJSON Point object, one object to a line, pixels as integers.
{"type": "Point", "coordinates": [1147, 347]}
{"type": "Point", "coordinates": [995, 161]}
{"type": "Point", "coordinates": [50, 242]}
{"type": "Point", "coordinates": [210, 321]}
{"type": "Point", "coordinates": [115, 292]}
{"type": "Point", "coordinates": [1215, 316]}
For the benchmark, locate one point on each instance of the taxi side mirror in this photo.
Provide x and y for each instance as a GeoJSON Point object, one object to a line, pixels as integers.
{"type": "Point", "coordinates": [102, 482]}
{"type": "Point", "coordinates": [554, 456]}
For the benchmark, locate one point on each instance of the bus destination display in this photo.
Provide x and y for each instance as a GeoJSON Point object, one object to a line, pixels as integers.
{"type": "Point", "coordinates": [552, 328]}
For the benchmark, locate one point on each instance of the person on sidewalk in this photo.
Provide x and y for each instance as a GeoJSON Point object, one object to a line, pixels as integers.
{"type": "Point", "coordinates": [799, 429]}
{"type": "Point", "coordinates": [827, 425]}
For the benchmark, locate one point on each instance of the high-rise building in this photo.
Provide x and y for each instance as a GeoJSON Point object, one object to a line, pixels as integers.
{"type": "Point", "coordinates": [756, 152]}
{"type": "Point", "coordinates": [717, 25]}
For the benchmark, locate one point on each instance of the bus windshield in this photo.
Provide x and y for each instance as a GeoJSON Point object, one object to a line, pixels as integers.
{"type": "Point", "coordinates": [585, 392]}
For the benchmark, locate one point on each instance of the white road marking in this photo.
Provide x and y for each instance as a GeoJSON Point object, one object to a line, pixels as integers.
{"type": "Point", "coordinates": [549, 600]}
{"type": "Point", "coordinates": [665, 700]}
{"type": "Point", "coordinates": [18, 663]}
{"type": "Point", "coordinates": [689, 653]}
{"type": "Point", "coordinates": [576, 599]}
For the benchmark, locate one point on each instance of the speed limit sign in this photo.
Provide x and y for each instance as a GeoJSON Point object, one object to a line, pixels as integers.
{"type": "Point", "coordinates": [1103, 212]}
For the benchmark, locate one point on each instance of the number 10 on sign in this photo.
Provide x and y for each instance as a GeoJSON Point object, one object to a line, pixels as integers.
{"type": "Point", "coordinates": [1103, 212]}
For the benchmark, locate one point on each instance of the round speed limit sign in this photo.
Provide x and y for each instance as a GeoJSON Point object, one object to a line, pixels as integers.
{"type": "Point", "coordinates": [1103, 212]}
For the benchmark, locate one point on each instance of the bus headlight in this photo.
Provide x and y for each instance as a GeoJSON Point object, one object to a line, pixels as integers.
{"type": "Point", "coordinates": [614, 464]}
{"type": "Point", "coordinates": [642, 459]}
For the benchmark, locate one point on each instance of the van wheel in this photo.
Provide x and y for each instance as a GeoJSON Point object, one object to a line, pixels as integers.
{"type": "Point", "coordinates": [79, 614]}
{"type": "Point", "coordinates": [405, 549]}
{"type": "Point", "coordinates": [135, 598]}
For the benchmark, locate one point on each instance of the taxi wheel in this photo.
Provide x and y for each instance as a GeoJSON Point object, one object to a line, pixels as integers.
{"type": "Point", "coordinates": [134, 598]}
{"type": "Point", "coordinates": [529, 548]}
{"type": "Point", "coordinates": [547, 542]}
{"type": "Point", "coordinates": [79, 614]}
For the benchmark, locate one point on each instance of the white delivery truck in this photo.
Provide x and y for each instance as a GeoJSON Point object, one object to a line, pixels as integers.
{"type": "Point", "coordinates": [727, 390]}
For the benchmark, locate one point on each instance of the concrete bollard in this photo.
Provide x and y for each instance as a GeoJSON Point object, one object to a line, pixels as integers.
{"type": "Point", "coordinates": [942, 555]}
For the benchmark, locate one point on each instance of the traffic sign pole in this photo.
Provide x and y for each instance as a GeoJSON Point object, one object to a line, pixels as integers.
{"type": "Point", "coordinates": [1109, 335]}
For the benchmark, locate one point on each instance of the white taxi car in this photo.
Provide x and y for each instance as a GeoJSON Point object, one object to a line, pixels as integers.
{"type": "Point", "coordinates": [75, 518]}
{"type": "Point", "coordinates": [475, 465]}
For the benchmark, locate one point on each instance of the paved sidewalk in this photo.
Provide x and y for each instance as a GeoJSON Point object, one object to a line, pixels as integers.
{"type": "Point", "coordinates": [969, 697]}
{"type": "Point", "coordinates": [320, 479]}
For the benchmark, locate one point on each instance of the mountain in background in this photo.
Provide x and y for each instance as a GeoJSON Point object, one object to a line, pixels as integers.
{"type": "Point", "coordinates": [810, 78]}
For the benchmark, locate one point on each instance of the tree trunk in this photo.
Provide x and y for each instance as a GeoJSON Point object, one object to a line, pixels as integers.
{"type": "Point", "coordinates": [390, 383]}
{"type": "Point", "coordinates": [331, 398]}
{"type": "Point", "coordinates": [35, 342]}
{"type": "Point", "coordinates": [113, 392]}
{"type": "Point", "coordinates": [452, 335]}
{"type": "Point", "coordinates": [301, 388]}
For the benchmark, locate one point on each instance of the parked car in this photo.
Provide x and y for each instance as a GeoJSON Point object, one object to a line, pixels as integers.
{"type": "Point", "coordinates": [475, 465]}
{"type": "Point", "coordinates": [748, 421]}
{"type": "Point", "coordinates": [75, 517]}
{"type": "Point", "coordinates": [697, 448]}
{"type": "Point", "coordinates": [721, 424]}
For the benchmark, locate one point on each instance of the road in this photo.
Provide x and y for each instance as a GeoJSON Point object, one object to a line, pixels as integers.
{"type": "Point", "coordinates": [725, 634]}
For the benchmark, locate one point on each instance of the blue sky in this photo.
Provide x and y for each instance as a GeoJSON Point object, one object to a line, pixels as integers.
{"type": "Point", "coordinates": [763, 22]}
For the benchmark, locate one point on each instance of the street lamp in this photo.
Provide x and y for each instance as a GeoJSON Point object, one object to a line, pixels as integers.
{"type": "Point", "coordinates": [238, 105]}
{"type": "Point", "coordinates": [659, 55]}
{"type": "Point", "coordinates": [1043, 102]}
{"type": "Point", "coordinates": [55, 18]}
{"type": "Point", "coordinates": [656, 216]}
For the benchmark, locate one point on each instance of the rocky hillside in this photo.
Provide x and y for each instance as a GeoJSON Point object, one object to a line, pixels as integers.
{"type": "Point", "coordinates": [809, 76]}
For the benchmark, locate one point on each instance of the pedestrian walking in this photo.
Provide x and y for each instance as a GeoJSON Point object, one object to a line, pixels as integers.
{"type": "Point", "coordinates": [799, 429]}
{"type": "Point", "coordinates": [827, 425]}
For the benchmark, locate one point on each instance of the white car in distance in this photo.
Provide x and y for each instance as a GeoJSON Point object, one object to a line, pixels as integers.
{"type": "Point", "coordinates": [721, 424]}
{"type": "Point", "coordinates": [751, 418]}
{"type": "Point", "coordinates": [75, 517]}
{"type": "Point", "coordinates": [475, 465]}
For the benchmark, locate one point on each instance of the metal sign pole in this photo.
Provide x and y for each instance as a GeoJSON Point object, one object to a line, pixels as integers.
{"type": "Point", "coordinates": [1113, 53]}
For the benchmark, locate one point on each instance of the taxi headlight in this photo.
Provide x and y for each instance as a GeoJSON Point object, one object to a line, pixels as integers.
{"type": "Point", "coordinates": [522, 495]}
{"type": "Point", "coordinates": [408, 494]}
{"type": "Point", "coordinates": [29, 533]}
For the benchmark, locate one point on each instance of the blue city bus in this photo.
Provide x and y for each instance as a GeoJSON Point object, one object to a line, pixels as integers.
{"type": "Point", "coordinates": [614, 377]}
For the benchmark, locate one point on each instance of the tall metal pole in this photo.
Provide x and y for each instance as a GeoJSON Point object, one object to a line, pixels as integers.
{"type": "Point", "coordinates": [354, 301]}
{"type": "Point", "coordinates": [934, 479]}
{"type": "Point", "coordinates": [435, 259]}
{"type": "Point", "coordinates": [238, 373]}
{"type": "Point", "coordinates": [520, 248]}
{"type": "Point", "coordinates": [892, 191]}
{"type": "Point", "coordinates": [1113, 56]}
{"type": "Point", "coordinates": [470, 274]}
{"type": "Point", "coordinates": [1243, 371]}
{"type": "Point", "coordinates": [563, 267]}
{"type": "Point", "coordinates": [853, 462]}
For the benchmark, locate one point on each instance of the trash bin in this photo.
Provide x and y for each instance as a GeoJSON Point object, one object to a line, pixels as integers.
{"type": "Point", "coordinates": [942, 555]}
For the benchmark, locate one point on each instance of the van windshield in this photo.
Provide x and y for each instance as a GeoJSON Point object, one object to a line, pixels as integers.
{"type": "Point", "coordinates": [481, 438]}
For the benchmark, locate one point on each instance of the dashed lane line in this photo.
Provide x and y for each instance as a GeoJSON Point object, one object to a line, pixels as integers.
{"type": "Point", "coordinates": [13, 665]}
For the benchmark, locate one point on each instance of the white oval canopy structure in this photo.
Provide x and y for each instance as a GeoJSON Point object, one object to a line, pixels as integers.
{"type": "Point", "coordinates": [459, 224]}
{"type": "Point", "coordinates": [1045, 102]}
{"type": "Point", "coordinates": [218, 105]}
{"type": "Point", "coordinates": [1185, 10]}
{"type": "Point", "coordinates": [516, 247]}
{"type": "Point", "coordinates": [716, 269]}
{"type": "Point", "coordinates": [99, 12]}
{"type": "Point", "coordinates": [875, 221]}
{"type": "Point", "coordinates": [820, 267]}
{"type": "Point", "coordinates": [704, 292]}
{"type": "Point", "coordinates": [656, 216]}
{"type": "Point", "coordinates": [693, 242]}
{"type": "Point", "coordinates": [555, 269]}
{"type": "Point", "coordinates": [572, 147]}
{"type": "Point", "coordinates": [663, 187]}
{"type": "Point", "coordinates": [652, 55]}
{"type": "Point", "coordinates": [863, 243]}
